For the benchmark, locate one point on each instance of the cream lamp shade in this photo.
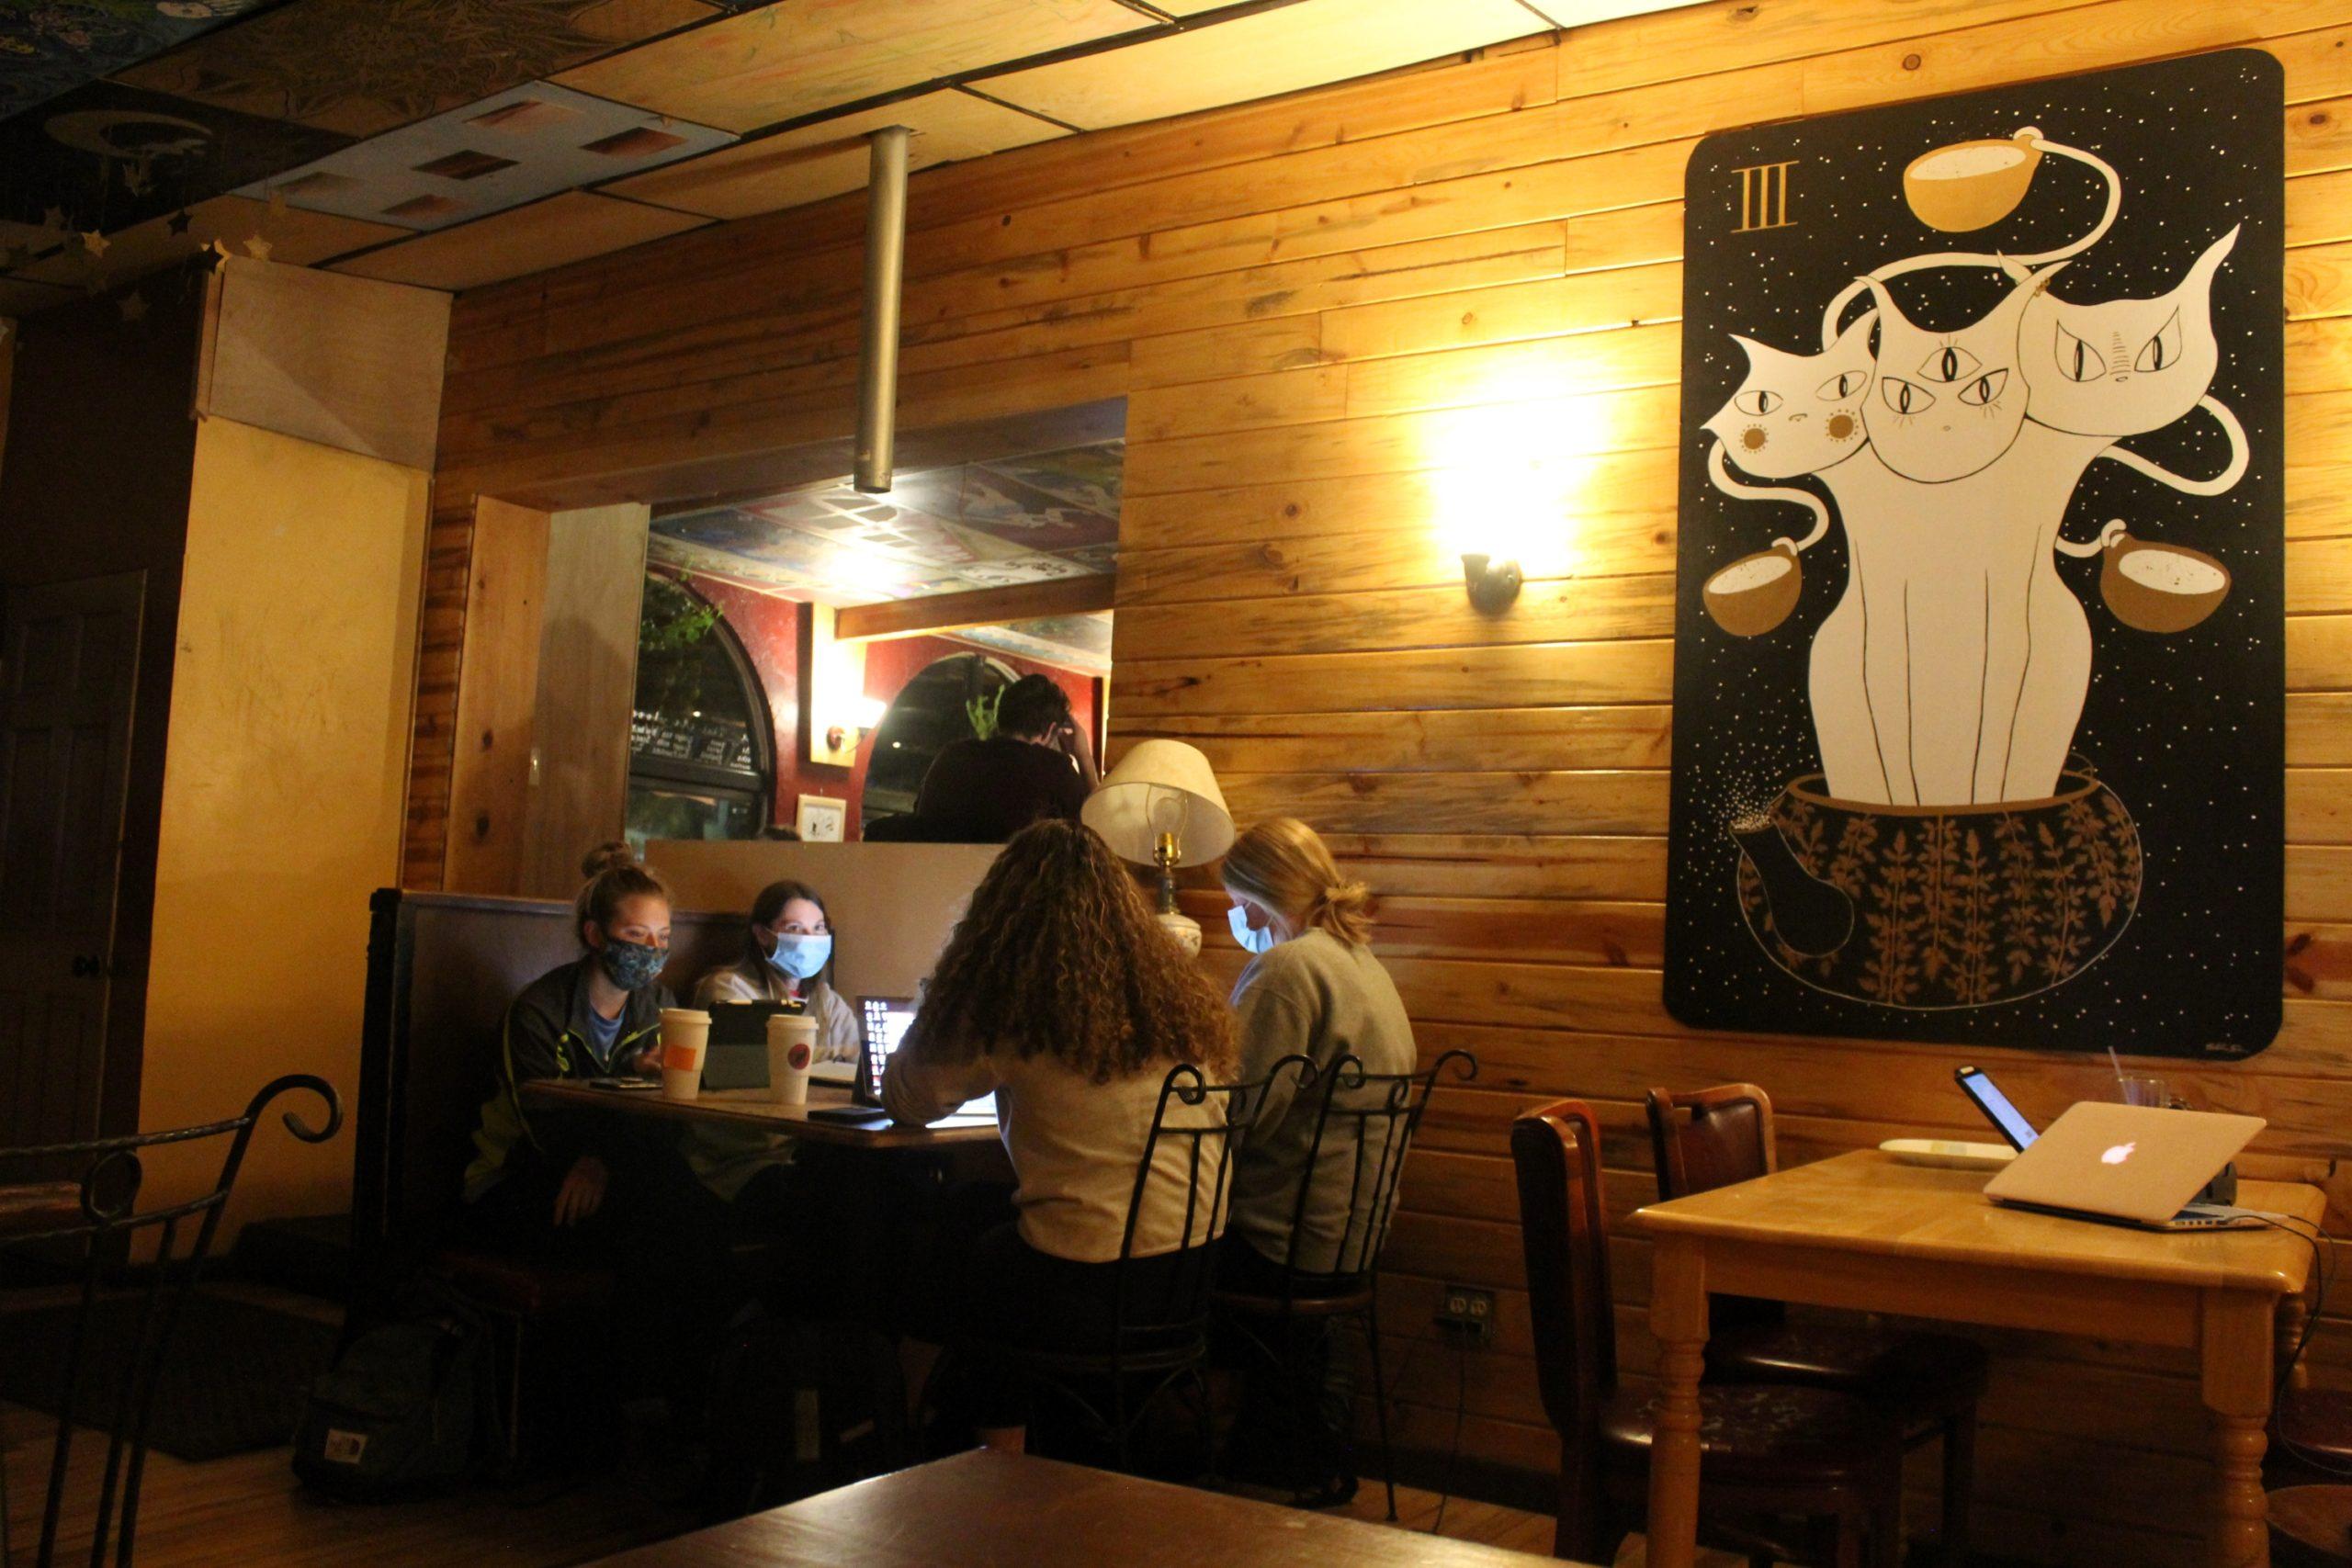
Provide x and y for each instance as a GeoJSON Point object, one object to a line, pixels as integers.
{"type": "Point", "coordinates": [1163, 793]}
{"type": "Point", "coordinates": [1161, 787]}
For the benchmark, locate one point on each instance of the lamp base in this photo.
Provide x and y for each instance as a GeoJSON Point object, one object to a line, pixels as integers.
{"type": "Point", "coordinates": [1183, 931]}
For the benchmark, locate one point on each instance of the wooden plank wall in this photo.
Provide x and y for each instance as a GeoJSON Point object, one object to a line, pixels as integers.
{"type": "Point", "coordinates": [1317, 307]}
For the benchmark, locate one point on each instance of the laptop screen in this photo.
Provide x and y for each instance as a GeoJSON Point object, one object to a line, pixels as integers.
{"type": "Point", "coordinates": [887, 1021]}
{"type": "Point", "coordinates": [1997, 1109]}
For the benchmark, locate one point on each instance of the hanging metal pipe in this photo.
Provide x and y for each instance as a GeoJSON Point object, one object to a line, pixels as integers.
{"type": "Point", "coordinates": [886, 256]}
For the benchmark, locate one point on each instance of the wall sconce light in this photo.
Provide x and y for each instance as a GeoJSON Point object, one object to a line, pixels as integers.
{"type": "Point", "coordinates": [1493, 585]}
{"type": "Point", "coordinates": [864, 713]}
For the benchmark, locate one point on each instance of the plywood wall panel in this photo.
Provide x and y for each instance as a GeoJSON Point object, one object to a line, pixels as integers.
{"type": "Point", "coordinates": [1319, 308]}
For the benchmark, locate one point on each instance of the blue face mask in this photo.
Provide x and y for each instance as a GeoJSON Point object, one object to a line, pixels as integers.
{"type": "Point", "coordinates": [631, 965]}
{"type": "Point", "coordinates": [1256, 941]}
{"type": "Point", "coordinates": [801, 956]}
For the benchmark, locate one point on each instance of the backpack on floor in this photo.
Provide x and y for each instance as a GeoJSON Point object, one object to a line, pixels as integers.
{"type": "Point", "coordinates": [409, 1408]}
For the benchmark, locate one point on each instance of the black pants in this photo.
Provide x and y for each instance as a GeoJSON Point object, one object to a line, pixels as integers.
{"type": "Point", "coordinates": [664, 1236]}
{"type": "Point", "coordinates": [1013, 1295]}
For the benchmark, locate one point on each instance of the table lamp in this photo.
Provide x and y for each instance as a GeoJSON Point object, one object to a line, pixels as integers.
{"type": "Point", "coordinates": [1162, 806]}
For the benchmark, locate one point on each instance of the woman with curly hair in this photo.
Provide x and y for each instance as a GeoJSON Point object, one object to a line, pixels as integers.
{"type": "Point", "coordinates": [1059, 994]}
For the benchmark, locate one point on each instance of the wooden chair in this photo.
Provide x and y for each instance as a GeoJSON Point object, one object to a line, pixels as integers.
{"type": "Point", "coordinates": [91, 1224]}
{"type": "Point", "coordinates": [1928, 1383]}
{"type": "Point", "coordinates": [1768, 1454]}
{"type": "Point", "coordinates": [1364, 1123]}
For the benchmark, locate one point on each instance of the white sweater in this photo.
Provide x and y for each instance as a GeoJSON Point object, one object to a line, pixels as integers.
{"type": "Point", "coordinates": [1076, 1146]}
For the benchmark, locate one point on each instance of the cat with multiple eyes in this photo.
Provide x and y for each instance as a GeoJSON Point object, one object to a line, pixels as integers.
{"type": "Point", "coordinates": [1953, 496]}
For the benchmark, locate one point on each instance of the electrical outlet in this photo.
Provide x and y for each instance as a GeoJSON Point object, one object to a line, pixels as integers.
{"type": "Point", "coordinates": [1468, 1311]}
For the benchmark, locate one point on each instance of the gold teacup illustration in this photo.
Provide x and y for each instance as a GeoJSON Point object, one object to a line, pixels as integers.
{"type": "Point", "coordinates": [1968, 185]}
{"type": "Point", "coordinates": [1754, 593]}
{"type": "Point", "coordinates": [2155, 587]}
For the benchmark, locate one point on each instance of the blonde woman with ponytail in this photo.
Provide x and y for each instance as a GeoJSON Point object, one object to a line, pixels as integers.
{"type": "Point", "coordinates": [1313, 988]}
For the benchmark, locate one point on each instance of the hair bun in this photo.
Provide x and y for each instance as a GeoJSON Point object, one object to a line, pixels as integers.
{"type": "Point", "coordinates": [606, 857]}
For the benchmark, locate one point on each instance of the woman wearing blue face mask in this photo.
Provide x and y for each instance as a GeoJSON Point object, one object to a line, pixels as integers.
{"type": "Point", "coordinates": [593, 1188]}
{"type": "Point", "coordinates": [789, 958]}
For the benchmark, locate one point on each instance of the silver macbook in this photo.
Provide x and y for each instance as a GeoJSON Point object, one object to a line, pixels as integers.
{"type": "Point", "coordinates": [2131, 1165]}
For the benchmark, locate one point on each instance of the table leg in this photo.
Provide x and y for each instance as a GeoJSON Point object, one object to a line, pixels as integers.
{"type": "Point", "coordinates": [1678, 1321]}
{"type": "Point", "coordinates": [2235, 1352]}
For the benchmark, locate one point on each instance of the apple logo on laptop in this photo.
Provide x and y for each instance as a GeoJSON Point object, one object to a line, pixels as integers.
{"type": "Point", "coordinates": [2118, 1154]}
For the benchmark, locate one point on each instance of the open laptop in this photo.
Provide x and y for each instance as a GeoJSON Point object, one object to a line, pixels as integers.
{"type": "Point", "coordinates": [886, 1022]}
{"type": "Point", "coordinates": [2134, 1164]}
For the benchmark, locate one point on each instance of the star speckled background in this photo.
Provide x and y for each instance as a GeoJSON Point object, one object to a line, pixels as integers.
{"type": "Point", "coordinates": [2187, 729]}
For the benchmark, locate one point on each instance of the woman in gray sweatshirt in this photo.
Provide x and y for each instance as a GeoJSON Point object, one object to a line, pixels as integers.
{"type": "Point", "coordinates": [1314, 989]}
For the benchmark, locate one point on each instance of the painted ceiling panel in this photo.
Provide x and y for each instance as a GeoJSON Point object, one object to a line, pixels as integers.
{"type": "Point", "coordinates": [813, 161]}
{"type": "Point", "coordinates": [1281, 50]}
{"type": "Point", "coordinates": [800, 57]}
{"type": "Point", "coordinates": [49, 47]}
{"type": "Point", "coordinates": [562, 229]}
{"type": "Point", "coordinates": [106, 156]}
{"type": "Point", "coordinates": [364, 66]}
{"type": "Point", "coordinates": [508, 149]}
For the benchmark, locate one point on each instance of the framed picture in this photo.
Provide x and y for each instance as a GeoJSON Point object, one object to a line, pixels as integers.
{"type": "Point", "coordinates": [818, 818]}
{"type": "Point", "coordinates": [1979, 685]}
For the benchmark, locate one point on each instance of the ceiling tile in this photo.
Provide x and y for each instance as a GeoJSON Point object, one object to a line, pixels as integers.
{"type": "Point", "coordinates": [803, 56]}
{"type": "Point", "coordinates": [511, 148]}
{"type": "Point", "coordinates": [562, 229]}
{"type": "Point", "coordinates": [813, 161]}
{"type": "Point", "coordinates": [1256, 56]}
{"type": "Point", "coordinates": [364, 66]}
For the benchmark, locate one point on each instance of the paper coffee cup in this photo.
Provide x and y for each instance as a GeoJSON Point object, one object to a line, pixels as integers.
{"type": "Point", "coordinates": [792, 1046]}
{"type": "Point", "coordinates": [686, 1035]}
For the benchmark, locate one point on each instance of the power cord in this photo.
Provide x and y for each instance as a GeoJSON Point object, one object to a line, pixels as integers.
{"type": "Point", "coordinates": [1461, 1413]}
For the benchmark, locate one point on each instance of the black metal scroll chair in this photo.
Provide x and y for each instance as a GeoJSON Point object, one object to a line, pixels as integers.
{"type": "Point", "coordinates": [1928, 1383]}
{"type": "Point", "coordinates": [90, 1225]}
{"type": "Point", "coordinates": [1364, 1124]}
{"type": "Point", "coordinates": [1157, 1339]}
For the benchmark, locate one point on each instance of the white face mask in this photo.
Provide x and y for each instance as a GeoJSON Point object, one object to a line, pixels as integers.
{"type": "Point", "coordinates": [1256, 941]}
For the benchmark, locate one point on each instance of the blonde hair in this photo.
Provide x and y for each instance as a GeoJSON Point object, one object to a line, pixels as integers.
{"type": "Point", "coordinates": [1283, 865]}
{"type": "Point", "coordinates": [615, 875]}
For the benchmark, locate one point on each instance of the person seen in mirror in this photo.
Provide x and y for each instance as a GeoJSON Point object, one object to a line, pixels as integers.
{"type": "Point", "coordinates": [1059, 994]}
{"type": "Point", "coordinates": [1312, 988]}
{"type": "Point", "coordinates": [1037, 765]}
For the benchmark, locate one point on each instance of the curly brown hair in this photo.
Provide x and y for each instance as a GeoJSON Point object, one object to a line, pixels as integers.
{"type": "Point", "coordinates": [1059, 953]}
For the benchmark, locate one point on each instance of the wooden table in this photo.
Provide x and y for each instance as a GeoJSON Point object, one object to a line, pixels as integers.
{"type": "Point", "coordinates": [1861, 1231]}
{"type": "Point", "coordinates": [753, 1108]}
{"type": "Point", "coordinates": [990, 1510]}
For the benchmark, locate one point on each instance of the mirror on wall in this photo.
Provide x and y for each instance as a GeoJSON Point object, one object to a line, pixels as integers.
{"type": "Point", "coordinates": [701, 751]}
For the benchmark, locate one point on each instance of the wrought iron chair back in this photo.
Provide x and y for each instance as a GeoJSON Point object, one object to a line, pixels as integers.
{"type": "Point", "coordinates": [1372, 1117]}
{"type": "Point", "coordinates": [1364, 1124]}
{"type": "Point", "coordinates": [94, 1222]}
{"type": "Point", "coordinates": [1159, 1326]}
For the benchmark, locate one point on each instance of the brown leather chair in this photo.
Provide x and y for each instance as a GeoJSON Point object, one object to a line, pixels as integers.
{"type": "Point", "coordinates": [1928, 1383]}
{"type": "Point", "coordinates": [1770, 1455]}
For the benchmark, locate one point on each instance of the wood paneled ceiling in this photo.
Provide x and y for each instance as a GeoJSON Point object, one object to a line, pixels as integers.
{"type": "Point", "coordinates": [454, 144]}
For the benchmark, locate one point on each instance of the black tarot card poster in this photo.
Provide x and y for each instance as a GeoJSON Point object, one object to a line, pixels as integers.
{"type": "Point", "coordinates": [1979, 683]}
